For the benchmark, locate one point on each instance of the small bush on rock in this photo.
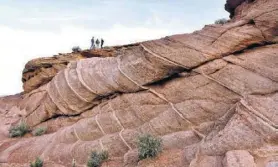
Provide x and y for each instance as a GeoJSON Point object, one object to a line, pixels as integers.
{"type": "Point", "coordinates": [148, 146]}
{"type": "Point", "coordinates": [39, 131]}
{"type": "Point", "coordinates": [103, 155]}
{"type": "Point", "coordinates": [76, 49]}
{"type": "Point", "coordinates": [19, 130]}
{"type": "Point", "coordinates": [37, 163]}
{"type": "Point", "coordinates": [96, 159]}
{"type": "Point", "coordinates": [221, 21]}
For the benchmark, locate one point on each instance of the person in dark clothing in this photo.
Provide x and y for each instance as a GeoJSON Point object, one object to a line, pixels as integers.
{"type": "Point", "coordinates": [92, 43]}
{"type": "Point", "coordinates": [101, 42]}
{"type": "Point", "coordinates": [97, 43]}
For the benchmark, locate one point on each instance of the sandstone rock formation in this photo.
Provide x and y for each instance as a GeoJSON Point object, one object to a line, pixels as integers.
{"type": "Point", "coordinates": [212, 96]}
{"type": "Point", "coordinates": [40, 71]}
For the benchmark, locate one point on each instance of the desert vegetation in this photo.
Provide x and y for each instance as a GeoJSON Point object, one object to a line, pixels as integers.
{"type": "Point", "coordinates": [97, 158]}
{"type": "Point", "coordinates": [37, 163]}
{"type": "Point", "coordinates": [19, 130]}
{"type": "Point", "coordinates": [148, 146]}
{"type": "Point", "coordinates": [76, 49]}
{"type": "Point", "coordinates": [221, 21]}
{"type": "Point", "coordinates": [39, 131]}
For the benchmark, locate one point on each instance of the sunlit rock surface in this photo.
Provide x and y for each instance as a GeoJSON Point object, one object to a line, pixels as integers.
{"type": "Point", "coordinates": [210, 95]}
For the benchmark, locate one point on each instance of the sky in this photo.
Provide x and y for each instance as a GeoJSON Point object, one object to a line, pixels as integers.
{"type": "Point", "coordinates": [42, 28]}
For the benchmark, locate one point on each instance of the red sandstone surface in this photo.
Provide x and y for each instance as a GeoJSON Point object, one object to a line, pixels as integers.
{"type": "Point", "coordinates": [212, 96]}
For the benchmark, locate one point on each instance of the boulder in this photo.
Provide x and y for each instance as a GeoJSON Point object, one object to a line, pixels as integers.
{"type": "Point", "coordinates": [239, 158]}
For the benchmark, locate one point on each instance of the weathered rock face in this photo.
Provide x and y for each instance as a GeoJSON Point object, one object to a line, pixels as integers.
{"type": "Point", "coordinates": [9, 113]}
{"type": "Point", "coordinates": [212, 96]}
{"type": "Point", "coordinates": [40, 71]}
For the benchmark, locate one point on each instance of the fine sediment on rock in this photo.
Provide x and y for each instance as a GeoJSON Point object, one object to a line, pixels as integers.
{"type": "Point", "coordinates": [210, 95]}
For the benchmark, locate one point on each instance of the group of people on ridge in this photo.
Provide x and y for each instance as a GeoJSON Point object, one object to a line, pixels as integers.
{"type": "Point", "coordinates": [93, 46]}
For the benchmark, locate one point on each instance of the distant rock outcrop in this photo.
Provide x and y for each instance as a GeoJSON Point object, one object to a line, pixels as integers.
{"type": "Point", "coordinates": [212, 96]}
{"type": "Point", "coordinates": [231, 6]}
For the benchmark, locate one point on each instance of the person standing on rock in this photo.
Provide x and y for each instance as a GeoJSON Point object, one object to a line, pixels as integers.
{"type": "Point", "coordinates": [92, 43]}
{"type": "Point", "coordinates": [97, 43]}
{"type": "Point", "coordinates": [101, 42]}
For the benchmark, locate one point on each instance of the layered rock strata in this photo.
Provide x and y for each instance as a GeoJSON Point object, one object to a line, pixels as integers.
{"type": "Point", "coordinates": [210, 95]}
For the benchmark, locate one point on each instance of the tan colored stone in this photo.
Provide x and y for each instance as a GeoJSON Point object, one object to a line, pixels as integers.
{"type": "Point", "coordinates": [207, 161]}
{"type": "Point", "coordinates": [207, 94]}
{"type": "Point", "coordinates": [239, 158]}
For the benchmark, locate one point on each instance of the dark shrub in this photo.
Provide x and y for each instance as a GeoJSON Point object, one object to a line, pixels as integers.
{"type": "Point", "coordinates": [96, 159]}
{"type": "Point", "coordinates": [148, 146]}
{"type": "Point", "coordinates": [76, 49]}
{"type": "Point", "coordinates": [38, 163]}
{"type": "Point", "coordinates": [19, 130]}
{"type": "Point", "coordinates": [39, 131]}
{"type": "Point", "coordinates": [103, 155]}
{"type": "Point", "coordinates": [221, 21]}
